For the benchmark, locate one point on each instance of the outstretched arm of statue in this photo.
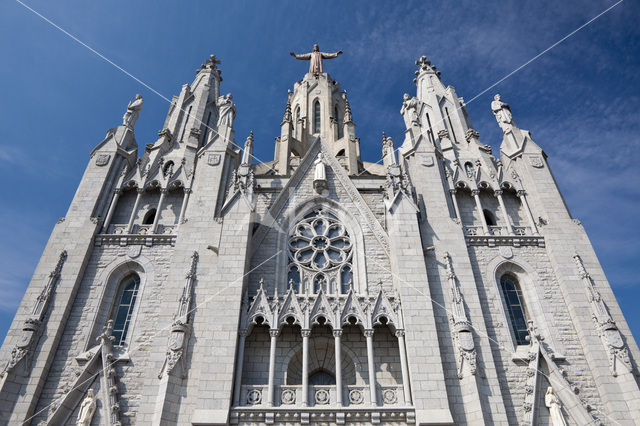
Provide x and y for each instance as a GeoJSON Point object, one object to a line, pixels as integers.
{"type": "Point", "coordinates": [303, 57]}
{"type": "Point", "coordinates": [331, 55]}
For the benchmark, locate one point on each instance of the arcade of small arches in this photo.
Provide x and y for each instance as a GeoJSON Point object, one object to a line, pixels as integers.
{"type": "Point", "coordinates": [484, 208]}
{"type": "Point", "coordinates": [300, 337]}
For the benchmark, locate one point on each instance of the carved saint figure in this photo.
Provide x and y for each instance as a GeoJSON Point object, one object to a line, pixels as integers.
{"type": "Point", "coordinates": [409, 110]}
{"type": "Point", "coordinates": [133, 111]}
{"type": "Point", "coordinates": [226, 110]}
{"type": "Point", "coordinates": [555, 408]}
{"type": "Point", "coordinates": [87, 409]}
{"type": "Point", "coordinates": [502, 111]}
{"type": "Point", "coordinates": [320, 175]}
{"type": "Point", "coordinates": [315, 58]}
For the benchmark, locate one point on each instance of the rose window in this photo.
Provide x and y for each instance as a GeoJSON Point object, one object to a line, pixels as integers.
{"type": "Point", "coordinates": [320, 249]}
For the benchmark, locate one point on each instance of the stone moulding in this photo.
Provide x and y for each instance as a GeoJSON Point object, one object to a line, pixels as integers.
{"type": "Point", "coordinates": [605, 325]}
{"type": "Point", "coordinates": [32, 325]}
{"type": "Point", "coordinates": [126, 240]}
{"type": "Point", "coordinates": [514, 241]}
{"type": "Point", "coordinates": [323, 414]}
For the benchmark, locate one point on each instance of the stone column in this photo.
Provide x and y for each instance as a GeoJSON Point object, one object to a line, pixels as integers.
{"type": "Point", "coordinates": [135, 210]}
{"type": "Point", "coordinates": [337, 335]}
{"type": "Point", "coordinates": [507, 219]}
{"type": "Point", "coordinates": [272, 366]}
{"type": "Point", "coordinates": [185, 201]}
{"type": "Point", "coordinates": [239, 361]}
{"type": "Point", "coordinates": [163, 193]}
{"type": "Point", "coordinates": [404, 367]}
{"type": "Point", "coordinates": [454, 199]}
{"type": "Point", "coordinates": [476, 196]}
{"type": "Point", "coordinates": [112, 209]}
{"type": "Point", "coordinates": [372, 370]}
{"type": "Point", "coordinates": [305, 367]}
{"type": "Point", "coordinates": [525, 204]}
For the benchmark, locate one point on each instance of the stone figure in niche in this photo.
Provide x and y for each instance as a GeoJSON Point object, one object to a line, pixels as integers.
{"type": "Point", "coordinates": [502, 111]}
{"type": "Point", "coordinates": [226, 110]}
{"type": "Point", "coordinates": [555, 408]}
{"type": "Point", "coordinates": [409, 110]}
{"type": "Point", "coordinates": [315, 58]}
{"type": "Point", "coordinates": [87, 409]}
{"type": "Point", "coordinates": [133, 111]}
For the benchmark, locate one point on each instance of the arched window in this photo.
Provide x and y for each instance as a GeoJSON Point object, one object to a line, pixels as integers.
{"type": "Point", "coordinates": [515, 307]}
{"type": "Point", "coordinates": [124, 309]}
{"type": "Point", "coordinates": [168, 168]}
{"type": "Point", "coordinates": [468, 168]}
{"type": "Point", "coordinates": [488, 216]}
{"type": "Point", "coordinates": [293, 277]}
{"type": "Point", "coordinates": [297, 113]}
{"type": "Point", "coordinates": [346, 279]}
{"type": "Point", "coordinates": [149, 217]}
{"type": "Point", "coordinates": [340, 153]}
{"type": "Point", "coordinates": [316, 116]}
{"type": "Point", "coordinates": [320, 247]}
{"type": "Point", "coordinates": [322, 377]}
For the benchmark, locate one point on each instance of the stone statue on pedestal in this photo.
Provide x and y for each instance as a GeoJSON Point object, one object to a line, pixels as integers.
{"type": "Point", "coordinates": [315, 58]}
{"type": "Point", "coordinates": [226, 110]}
{"type": "Point", "coordinates": [133, 111]}
{"type": "Point", "coordinates": [409, 110]}
{"type": "Point", "coordinates": [502, 111]}
{"type": "Point", "coordinates": [555, 408]}
{"type": "Point", "coordinates": [87, 409]}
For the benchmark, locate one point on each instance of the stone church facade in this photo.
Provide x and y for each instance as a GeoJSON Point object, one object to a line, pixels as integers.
{"type": "Point", "coordinates": [189, 284]}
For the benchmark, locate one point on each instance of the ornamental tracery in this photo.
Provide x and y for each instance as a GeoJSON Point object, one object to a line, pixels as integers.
{"type": "Point", "coordinates": [320, 254]}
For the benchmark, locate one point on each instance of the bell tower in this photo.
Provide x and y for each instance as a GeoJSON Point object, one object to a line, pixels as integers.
{"type": "Point", "coordinates": [317, 108]}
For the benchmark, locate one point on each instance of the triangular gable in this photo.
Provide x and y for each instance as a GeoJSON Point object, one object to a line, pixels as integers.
{"type": "Point", "coordinates": [303, 170]}
{"type": "Point", "coordinates": [352, 308]}
{"type": "Point", "coordinates": [322, 308]}
{"type": "Point", "coordinates": [383, 308]}
{"type": "Point", "coordinates": [290, 308]}
{"type": "Point", "coordinates": [260, 307]}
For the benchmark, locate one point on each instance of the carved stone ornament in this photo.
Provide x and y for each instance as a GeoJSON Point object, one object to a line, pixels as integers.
{"type": "Point", "coordinates": [322, 396]}
{"type": "Point", "coordinates": [505, 252]}
{"type": "Point", "coordinates": [356, 396]}
{"type": "Point", "coordinates": [87, 409]}
{"type": "Point", "coordinates": [389, 396]}
{"type": "Point", "coordinates": [288, 396]}
{"type": "Point", "coordinates": [536, 161]}
{"type": "Point", "coordinates": [254, 396]}
{"type": "Point", "coordinates": [102, 159]}
{"type": "Point", "coordinates": [213, 159]}
{"type": "Point", "coordinates": [428, 161]}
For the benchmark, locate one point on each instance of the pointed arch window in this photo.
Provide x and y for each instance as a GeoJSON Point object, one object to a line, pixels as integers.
{"type": "Point", "coordinates": [468, 168]}
{"type": "Point", "coordinates": [149, 217]}
{"type": "Point", "coordinates": [322, 377]}
{"type": "Point", "coordinates": [316, 116]}
{"type": "Point", "coordinates": [488, 216]}
{"type": "Point", "coordinates": [320, 252]}
{"type": "Point", "coordinates": [297, 113]}
{"type": "Point", "coordinates": [514, 302]}
{"type": "Point", "coordinates": [124, 309]}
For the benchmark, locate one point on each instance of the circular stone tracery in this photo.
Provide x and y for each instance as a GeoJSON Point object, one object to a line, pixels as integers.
{"type": "Point", "coordinates": [320, 242]}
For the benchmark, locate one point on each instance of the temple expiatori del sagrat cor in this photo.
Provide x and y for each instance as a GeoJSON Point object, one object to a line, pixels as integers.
{"type": "Point", "coordinates": [190, 284]}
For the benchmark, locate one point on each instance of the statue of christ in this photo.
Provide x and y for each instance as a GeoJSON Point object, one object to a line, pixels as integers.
{"type": "Point", "coordinates": [315, 58]}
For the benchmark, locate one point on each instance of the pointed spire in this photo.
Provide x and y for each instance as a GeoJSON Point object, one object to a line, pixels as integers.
{"type": "Point", "coordinates": [287, 110]}
{"type": "Point", "coordinates": [425, 65]}
{"type": "Point", "coordinates": [348, 118]}
{"type": "Point", "coordinates": [247, 153]}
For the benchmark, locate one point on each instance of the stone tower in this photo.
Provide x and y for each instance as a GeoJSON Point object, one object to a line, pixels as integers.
{"type": "Point", "coordinates": [189, 285]}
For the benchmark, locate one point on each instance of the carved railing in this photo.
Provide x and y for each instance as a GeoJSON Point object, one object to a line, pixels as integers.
{"type": "Point", "coordinates": [321, 396]}
{"type": "Point", "coordinates": [140, 234]}
{"type": "Point", "coordinates": [501, 235]}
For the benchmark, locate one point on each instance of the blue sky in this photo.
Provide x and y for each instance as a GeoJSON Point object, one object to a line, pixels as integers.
{"type": "Point", "coordinates": [580, 100]}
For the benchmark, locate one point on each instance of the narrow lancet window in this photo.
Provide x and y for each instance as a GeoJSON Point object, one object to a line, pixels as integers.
{"type": "Point", "coordinates": [515, 307]}
{"type": "Point", "coordinates": [316, 117]}
{"type": "Point", "coordinates": [149, 217]}
{"type": "Point", "coordinates": [124, 309]}
{"type": "Point", "coordinates": [489, 218]}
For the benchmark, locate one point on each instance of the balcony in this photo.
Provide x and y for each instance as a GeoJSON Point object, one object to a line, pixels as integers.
{"type": "Point", "coordinates": [323, 405]}
{"type": "Point", "coordinates": [140, 235]}
{"type": "Point", "coordinates": [501, 236]}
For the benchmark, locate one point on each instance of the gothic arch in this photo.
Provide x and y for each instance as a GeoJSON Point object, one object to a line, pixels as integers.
{"type": "Point", "coordinates": [530, 284]}
{"type": "Point", "coordinates": [352, 226]}
{"type": "Point", "coordinates": [288, 365]}
{"type": "Point", "coordinates": [110, 280]}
